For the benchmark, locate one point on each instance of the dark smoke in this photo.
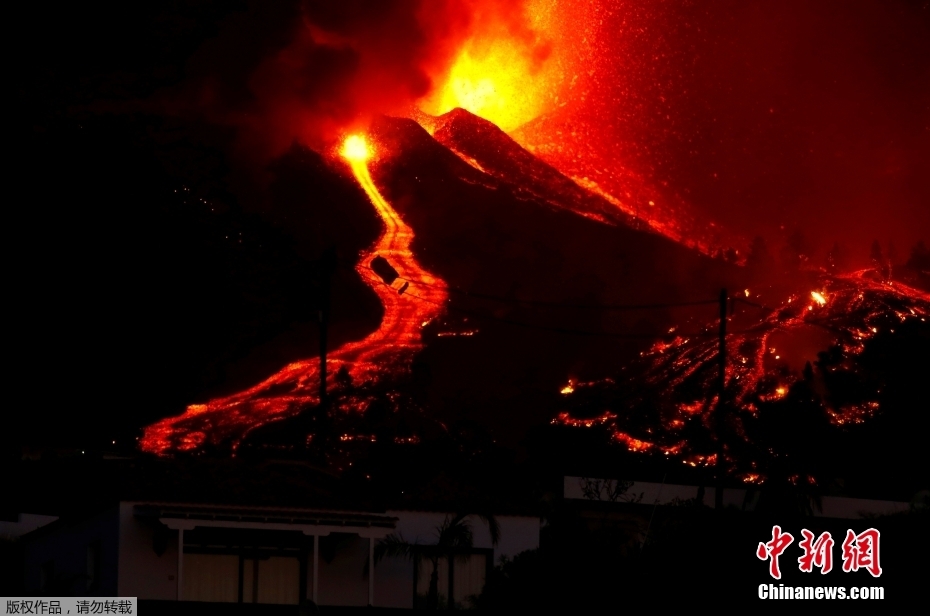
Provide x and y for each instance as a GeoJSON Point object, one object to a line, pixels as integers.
{"type": "Point", "coordinates": [288, 71]}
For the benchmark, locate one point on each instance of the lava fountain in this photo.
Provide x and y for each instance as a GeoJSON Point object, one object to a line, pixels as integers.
{"type": "Point", "coordinates": [410, 299]}
{"type": "Point", "coordinates": [514, 66]}
{"type": "Point", "coordinates": [547, 77]}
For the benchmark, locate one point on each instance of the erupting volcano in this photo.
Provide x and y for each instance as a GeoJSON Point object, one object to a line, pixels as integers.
{"type": "Point", "coordinates": [411, 299]}
{"type": "Point", "coordinates": [529, 121]}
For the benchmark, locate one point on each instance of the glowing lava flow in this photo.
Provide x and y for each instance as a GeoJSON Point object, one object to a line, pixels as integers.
{"type": "Point", "coordinates": [417, 298]}
{"type": "Point", "coordinates": [812, 340]}
{"type": "Point", "coordinates": [405, 311]}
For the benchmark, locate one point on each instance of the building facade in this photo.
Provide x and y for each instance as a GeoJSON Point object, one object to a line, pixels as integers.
{"type": "Point", "coordinates": [262, 555]}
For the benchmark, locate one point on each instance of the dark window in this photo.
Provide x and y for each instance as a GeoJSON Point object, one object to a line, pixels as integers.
{"type": "Point", "coordinates": [93, 566]}
{"type": "Point", "coordinates": [460, 577]}
{"type": "Point", "coordinates": [46, 575]}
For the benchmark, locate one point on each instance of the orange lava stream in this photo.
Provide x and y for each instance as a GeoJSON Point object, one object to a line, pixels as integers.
{"type": "Point", "coordinates": [296, 386]}
{"type": "Point", "coordinates": [404, 313]}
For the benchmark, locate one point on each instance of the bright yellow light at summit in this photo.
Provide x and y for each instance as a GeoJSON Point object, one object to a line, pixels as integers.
{"type": "Point", "coordinates": [356, 149]}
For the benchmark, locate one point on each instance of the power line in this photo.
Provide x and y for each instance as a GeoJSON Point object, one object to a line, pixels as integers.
{"type": "Point", "coordinates": [606, 307]}
{"type": "Point", "coordinates": [831, 328]}
{"type": "Point", "coordinates": [754, 304]}
{"type": "Point", "coordinates": [560, 330]}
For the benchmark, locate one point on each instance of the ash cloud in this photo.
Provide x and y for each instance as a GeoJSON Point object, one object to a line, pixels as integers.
{"type": "Point", "coordinates": [286, 71]}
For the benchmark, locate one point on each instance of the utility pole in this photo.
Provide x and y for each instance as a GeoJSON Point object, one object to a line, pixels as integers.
{"type": "Point", "coordinates": [722, 355]}
{"type": "Point", "coordinates": [721, 392]}
{"type": "Point", "coordinates": [327, 268]}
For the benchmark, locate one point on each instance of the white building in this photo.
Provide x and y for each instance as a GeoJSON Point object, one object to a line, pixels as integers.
{"type": "Point", "coordinates": [267, 555]}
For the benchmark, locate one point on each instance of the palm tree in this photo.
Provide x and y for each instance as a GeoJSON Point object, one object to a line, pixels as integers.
{"type": "Point", "coordinates": [453, 536]}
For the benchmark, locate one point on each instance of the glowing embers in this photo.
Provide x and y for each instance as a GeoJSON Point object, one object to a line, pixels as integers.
{"type": "Point", "coordinates": [794, 366]}
{"type": "Point", "coordinates": [454, 334]}
{"type": "Point", "coordinates": [383, 354]}
{"type": "Point", "coordinates": [692, 408]}
{"type": "Point", "coordinates": [565, 419]}
{"type": "Point", "coordinates": [780, 392]}
{"type": "Point", "coordinates": [633, 444]}
{"type": "Point", "coordinates": [573, 385]}
{"type": "Point", "coordinates": [449, 326]}
{"type": "Point", "coordinates": [853, 413]}
{"type": "Point", "coordinates": [699, 460]}
{"type": "Point", "coordinates": [628, 196]}
{"type": "Point", "coordinates": [365, 438]}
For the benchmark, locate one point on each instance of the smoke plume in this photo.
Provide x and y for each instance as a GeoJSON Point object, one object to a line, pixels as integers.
{"type": "Point", "coordinates": [286, 71]}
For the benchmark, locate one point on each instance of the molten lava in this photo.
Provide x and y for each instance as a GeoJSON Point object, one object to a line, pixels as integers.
{"type": "Point", "coordinates": [417, 298]}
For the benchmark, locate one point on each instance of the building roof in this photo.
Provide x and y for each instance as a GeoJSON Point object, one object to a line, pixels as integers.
{"type": "Point", "coordinates": [317, 522]}
{"type": "Point", "coordinates": [264, 515]}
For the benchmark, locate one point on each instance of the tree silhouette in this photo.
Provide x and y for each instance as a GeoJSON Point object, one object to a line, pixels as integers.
{"type": "Point", "coordinates": [879, 262]}
{"type": "Point", "coordinates": [920, 258]}
{"type": "Point", "coordinates": [796, 252]}
{"type": "Point", "coordinates": [892, 253]}
{"type": "Point", "coordinates": [875, 254]}
{"type": "Point", "coordinates": [759, 260]}
{"type": "Point", "coordinates": [453, 537]}
{"type": "Point", "coordinates": [837, 259]}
